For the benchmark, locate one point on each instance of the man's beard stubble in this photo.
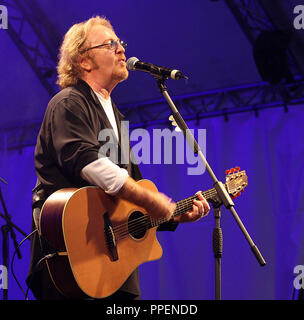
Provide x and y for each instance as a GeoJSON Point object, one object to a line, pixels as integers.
{"type": "Point", "coordinates": [118, 76]}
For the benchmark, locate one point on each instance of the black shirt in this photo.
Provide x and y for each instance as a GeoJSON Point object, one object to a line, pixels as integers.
{"type": "Point", "coordinates": [68, 138]}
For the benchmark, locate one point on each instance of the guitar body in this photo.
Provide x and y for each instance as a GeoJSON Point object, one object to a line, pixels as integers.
{"type": "Point", "coordinates": [73, 222]}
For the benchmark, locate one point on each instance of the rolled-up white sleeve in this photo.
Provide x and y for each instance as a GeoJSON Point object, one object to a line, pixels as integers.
{"type": "Point", "coordinates": [105, 174]}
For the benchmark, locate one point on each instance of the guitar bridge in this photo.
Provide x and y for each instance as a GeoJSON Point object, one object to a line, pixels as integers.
{"type": "Point", "coordinates": [110, 237]}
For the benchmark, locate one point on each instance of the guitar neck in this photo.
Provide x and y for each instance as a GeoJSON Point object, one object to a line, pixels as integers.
{"type": "Point", "coordinates": [184, 206]}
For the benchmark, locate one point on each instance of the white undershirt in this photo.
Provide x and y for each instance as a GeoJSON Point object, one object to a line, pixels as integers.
{"type": "Point", "coordinates": [108, 108]}
{"type": "Point", "coordinates": [103, 172]}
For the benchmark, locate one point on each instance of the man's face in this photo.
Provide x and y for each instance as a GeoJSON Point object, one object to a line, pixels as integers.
{"type": "Point", "coordinates": [107, 63]}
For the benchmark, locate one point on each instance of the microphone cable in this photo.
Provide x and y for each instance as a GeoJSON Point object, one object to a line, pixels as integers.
{"type": "Point", "coordinates": [12, 262]}
{"type": "Point", "coordinates": [48, 256]}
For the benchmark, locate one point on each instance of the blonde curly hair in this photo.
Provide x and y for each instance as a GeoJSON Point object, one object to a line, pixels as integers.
{"type": "Point", "coordinates": [74, 42]}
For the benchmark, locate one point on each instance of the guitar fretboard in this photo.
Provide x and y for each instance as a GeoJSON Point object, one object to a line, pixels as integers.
{"type": "Point", "coordinates": [183, 206]}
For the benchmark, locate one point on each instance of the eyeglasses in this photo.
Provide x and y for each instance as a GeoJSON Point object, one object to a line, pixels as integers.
{"type": "Point", "coordinates": [113, 45]}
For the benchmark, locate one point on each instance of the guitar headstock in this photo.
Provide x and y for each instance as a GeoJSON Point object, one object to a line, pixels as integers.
{"type": "Point", "coordinates": [236, 181]}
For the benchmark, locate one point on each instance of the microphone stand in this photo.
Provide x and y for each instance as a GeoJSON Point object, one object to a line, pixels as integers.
{"type": "Point", "coordinates": [6, 229]}
{"type": "Point", "coordinates": [222, 194]}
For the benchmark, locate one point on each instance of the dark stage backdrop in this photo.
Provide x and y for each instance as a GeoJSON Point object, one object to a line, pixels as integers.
{"type": "Point", "coordinates": [270, 148]}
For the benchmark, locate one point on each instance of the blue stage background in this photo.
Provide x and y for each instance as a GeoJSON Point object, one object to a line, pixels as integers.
{"type": "Point", "coordinates": [268, 146]}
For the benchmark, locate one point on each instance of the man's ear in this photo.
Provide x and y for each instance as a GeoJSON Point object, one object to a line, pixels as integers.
{"type": "Point", "coordinates": [85, 64]}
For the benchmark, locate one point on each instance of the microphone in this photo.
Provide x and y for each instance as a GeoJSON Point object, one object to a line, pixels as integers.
{"type": "Point", "coordinates": [134, 64]}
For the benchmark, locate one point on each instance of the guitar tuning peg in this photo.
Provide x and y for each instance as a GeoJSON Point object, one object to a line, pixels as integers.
{"type": "Point", "coordinates": [232, 170]}
{"type": "Point", "coordinates": [236, 195]}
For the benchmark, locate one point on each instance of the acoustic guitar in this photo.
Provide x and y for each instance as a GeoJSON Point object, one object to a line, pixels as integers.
{"type": "Point", "coordinates": [97, 240]}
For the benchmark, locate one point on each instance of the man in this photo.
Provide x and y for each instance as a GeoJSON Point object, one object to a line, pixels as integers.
{"type": "Point", "coordinates": [67, 154]}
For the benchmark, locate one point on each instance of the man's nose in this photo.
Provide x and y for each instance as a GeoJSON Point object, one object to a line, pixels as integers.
{"type": "Point", "coordinates": [120, 48]}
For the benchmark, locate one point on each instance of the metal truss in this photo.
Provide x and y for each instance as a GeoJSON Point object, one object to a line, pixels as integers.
{"type": "Point", "coordinates": [253, 19]}
{"type": "Point", "coordinates": [19, 137]}
{"type": "Point", "coordinates": [30, 31]}
{"type": "Point", "coordinates": [222, 102]}
{"type": "Point", "coordinates": [252, 98]}
{"type": "Point", "coordinates": [39, 45]}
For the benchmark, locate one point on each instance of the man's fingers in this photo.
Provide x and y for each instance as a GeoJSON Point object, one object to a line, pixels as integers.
{"type": "Point", "coordinates": [199, 207]}
{"type": "Point", "coordinates": [204, 202]}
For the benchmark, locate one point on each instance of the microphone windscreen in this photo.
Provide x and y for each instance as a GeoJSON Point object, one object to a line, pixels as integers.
{"type": "Point", "coordinates": [131, 63]}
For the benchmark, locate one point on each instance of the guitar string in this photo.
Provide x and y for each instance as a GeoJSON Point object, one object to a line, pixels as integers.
{"type": "Point", "coordinates": [127, 228]}
{"type": "Point", "coordinates": [182, 206]}
{"type": "Point", "coordinates": [140, 224]}
{"type": "Point", "coordinates": [145, 221]}
{"type": "Point", "coordinates": [137, 224]}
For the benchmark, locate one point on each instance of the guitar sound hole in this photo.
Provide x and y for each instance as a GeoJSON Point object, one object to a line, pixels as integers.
{"type": "Point", "coordinates": [137, 225]}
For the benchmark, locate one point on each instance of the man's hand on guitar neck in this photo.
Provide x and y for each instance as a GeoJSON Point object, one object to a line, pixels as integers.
{"type": "Point", "coordinates": [158, 205]}
{"type": "Point", "coordinates": [200, 209]}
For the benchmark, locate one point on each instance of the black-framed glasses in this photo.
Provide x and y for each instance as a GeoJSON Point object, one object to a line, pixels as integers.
{"type": "Point", "coordinates": [113, 45]}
